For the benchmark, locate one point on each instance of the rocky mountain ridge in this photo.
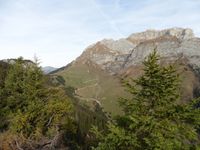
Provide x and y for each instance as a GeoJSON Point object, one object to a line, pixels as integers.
{"type": "Point", "coordinates": [114, 56]}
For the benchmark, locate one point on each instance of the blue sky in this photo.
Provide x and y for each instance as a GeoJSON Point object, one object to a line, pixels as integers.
{"type": "Point", "coordinates": [57, 31]}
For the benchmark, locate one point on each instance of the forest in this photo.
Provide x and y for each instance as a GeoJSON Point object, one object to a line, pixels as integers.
{"type": "Point", "coordinates": [37, 113]}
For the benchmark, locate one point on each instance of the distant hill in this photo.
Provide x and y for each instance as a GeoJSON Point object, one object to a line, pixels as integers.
{"type": "Point", "coordinates": [97, 73]}
{"type": "Point", "coordinates": [48, 69]}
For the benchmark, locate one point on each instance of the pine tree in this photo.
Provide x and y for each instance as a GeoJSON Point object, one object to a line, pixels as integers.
{"type": "Point", "coordinates": [153, 117]}
{"type": "Point", "coordinates": [34, 109]}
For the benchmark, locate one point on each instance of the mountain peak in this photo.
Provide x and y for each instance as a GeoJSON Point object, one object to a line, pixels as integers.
{"type": "Point", "coordinates": [115, 55]}
{"type": "Point", "coordinates": [179, 33]}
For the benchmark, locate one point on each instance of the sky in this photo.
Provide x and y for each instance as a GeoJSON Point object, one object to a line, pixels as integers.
{"type": "Point", "coordinates": [58, 31]}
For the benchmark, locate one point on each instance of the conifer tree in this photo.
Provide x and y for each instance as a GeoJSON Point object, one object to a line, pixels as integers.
{"type": "Point", "coordinates": [34, 109]}
{"type": "Point", "coordinates": [154, 118]}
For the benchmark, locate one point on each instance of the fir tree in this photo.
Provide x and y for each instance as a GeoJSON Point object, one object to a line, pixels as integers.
{"type": "Point", "coordinates": [35, 110]}
{"type": "Point", "coordinates": [153, 117]}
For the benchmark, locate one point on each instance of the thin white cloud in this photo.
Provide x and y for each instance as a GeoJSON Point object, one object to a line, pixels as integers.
{"type": "Point", "coordinates": [59, 30]}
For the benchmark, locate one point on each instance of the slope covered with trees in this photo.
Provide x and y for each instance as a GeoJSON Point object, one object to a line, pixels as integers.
{"type": "Point", "coordinates": [38, 113]}
{"type": "Point", "coordinates": [34, 114]}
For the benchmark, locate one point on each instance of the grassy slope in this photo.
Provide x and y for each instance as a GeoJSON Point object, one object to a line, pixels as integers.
{"type": "Point", "coordinates": [92, 84]}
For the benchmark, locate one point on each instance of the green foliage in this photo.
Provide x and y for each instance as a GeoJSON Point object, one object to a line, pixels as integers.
{"type": "Point", "coordinates": [24, 83]}
{"type": "Point", "coordinates": [32, 108]}
{"type": "Point", "coordinates": [45, 118]}
{"type": "Point", "coordinates": [153, 118]}
{"type": "Point", "coordinates": [3, 73]}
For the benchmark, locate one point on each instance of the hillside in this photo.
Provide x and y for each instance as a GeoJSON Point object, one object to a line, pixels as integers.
{"type": "Point", "coordinates": [97, 73]}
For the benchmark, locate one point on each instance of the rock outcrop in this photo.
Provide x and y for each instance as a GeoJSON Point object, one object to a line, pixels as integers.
{"type": "Point", "coordinates": [179, 33]}
{"type": "Point", "coordinates": [114, 56]}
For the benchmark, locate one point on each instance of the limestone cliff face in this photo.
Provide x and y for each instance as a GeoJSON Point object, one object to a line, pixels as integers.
{"type": "Point", "coordinates": [108, 59]}
{"type": "Point", "coordinates": [114, 56]}
{"type": "Point", "coordinates": [179, 33]}
{"type": "Point", "coordinates": [167, 47]}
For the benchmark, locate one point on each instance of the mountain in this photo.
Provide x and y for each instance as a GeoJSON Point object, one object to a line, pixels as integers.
{"type": "Point", "coordinates": [114, 56]}
{"type": "Point", "coordinates": [96, 73]}
{"type": "Point", "coordinates": [48, 69]}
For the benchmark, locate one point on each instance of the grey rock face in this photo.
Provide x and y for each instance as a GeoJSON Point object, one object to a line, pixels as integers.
{"type": "Point", "coordinates": [122, 45]}
{"type": "Point", "coordinates": [108, 59]}
{"type": "Point", "coordinates": [189, 48]}
{"type": "Point", "coordinates": [179, 33]}
{"type": "Point", "coordinates": [114, 56]}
